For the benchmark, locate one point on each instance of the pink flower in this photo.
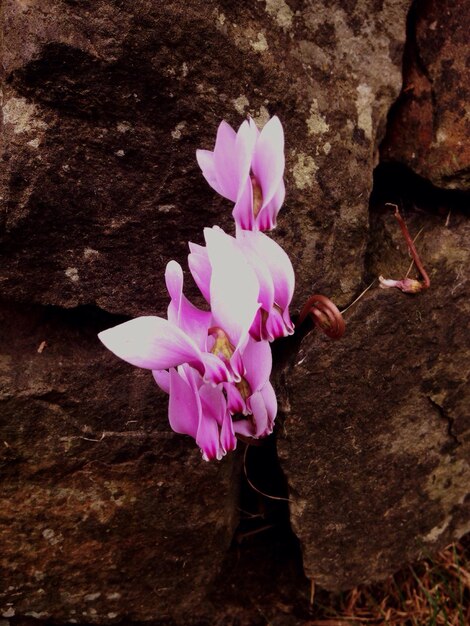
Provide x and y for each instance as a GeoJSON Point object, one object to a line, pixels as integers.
{"type": "Point", "coordinates": [199, 410]}
{"type": "Point", "coordinates": [247, 168]}
{"type": "Point", "coordinates": [198, 357]}
{"type": "Point", "coordinates": [204, 411]}
{"type": "Point", "coordinates": [407, 285]}
{"type": "Point", "coordinates": [274, 273]}
{"type": "Point", "coordinates": [216, 364]}
{"type": "Point", "coordinates": [211, 342]}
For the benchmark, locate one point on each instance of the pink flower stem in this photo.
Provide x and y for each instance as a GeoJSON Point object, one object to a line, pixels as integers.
{"type": "Point", "coordinates": [414, 253]}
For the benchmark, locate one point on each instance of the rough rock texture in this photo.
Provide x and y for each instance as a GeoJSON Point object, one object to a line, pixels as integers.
{"type": "Point", "coordinates": [99, 517]}
{"type": "Point", "coordinates": [430, 125]}
{"type": "Point", "coordinates": [104, 105]}
{"type": "Point", "coordinates": [376, 447]}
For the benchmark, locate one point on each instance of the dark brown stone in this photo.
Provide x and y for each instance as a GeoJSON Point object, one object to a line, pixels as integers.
{"type": "Point", "coordinates": [430, 125]}
{"type": "Point", "coordinates": [376, 440]}
{"type": "Point", "coordinates": [105, 513]}
{"type": "Point", "coordinates": [105, 104]}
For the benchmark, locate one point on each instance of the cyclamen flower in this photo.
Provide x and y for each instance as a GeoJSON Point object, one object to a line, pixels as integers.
{"type": "Point", "coordinates": [247, 167]}
{"type": "Point", "coordinates": [275, 276]}
{"type": "Point", "coordinates": [211, 342]}
{"type": "Point", "coordinates": [215, 365]}
{"type": "Point", "coordinates": [205, 411]}
{"type": "Point", "coordinates": [204, 385]}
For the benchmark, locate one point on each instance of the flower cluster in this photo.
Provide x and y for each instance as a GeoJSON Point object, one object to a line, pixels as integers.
{"type": "Point", "coordinates": [215, 364]}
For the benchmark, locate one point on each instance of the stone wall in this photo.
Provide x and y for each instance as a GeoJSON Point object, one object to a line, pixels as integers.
{"type": "Point", "coordinates": [106, 514]}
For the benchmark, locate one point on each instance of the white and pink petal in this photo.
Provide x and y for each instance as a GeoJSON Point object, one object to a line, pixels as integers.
{"type": "Point", "coordinates": [268, 160]}
{"type": "Point", "coordinates": [234, 288]}
{"type": "Point", "coordinates": [152, 343]}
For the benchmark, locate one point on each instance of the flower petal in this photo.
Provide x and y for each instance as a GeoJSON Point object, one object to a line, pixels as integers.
{"type": "Point", "coordinates": [278, 263]}
{"type": "Point", "coordinates": [245, 427]}
{"type": "Point", "coordinates": [184, 407]}
{"type": "Point", "coordinates": [194, 322]}
{"type": "Point", "coordinates": [247, 136]}
{"type": "Point", "coordinates": [277, 324]}
{"type": "Point", "coordinates": [270, 402]}
{"type": "Point", "coordinates": [268, 159]}
{"type": "Point", "coordinates": [162, 378]}
{"type": "Point", "coordinates": [226, 164]}
{"type": "Point", "coordinates": [205, 159]}
{"type": "Point", "coordinates": [234, 287]}
{"type": "Point", "coordinates": [215, 369]}
{"type": "Point", "coordinates": [247, 245]}
{"type": "Point", "coordinates": [213, 410]}
{"type": "Point", "coordinates": [228, 441]}
{"type": "Point", "coordinates": [263, 406]}
{"type": "Point", "coordinates": [213, 402]}
{"type": "Point", "coordinates": [257, 330]}
{"type": "Point", "coordinates": [243, 210]}
{"type": "Point", "coordinates": [235, 401]}
{"type": "Point", "coordinates": [267, 217]}
{"type": "Point", "coordinates": [260, 415]}
{"type": "Point", "coordinates": [152, 343]}
{"type": "Point", "coordinates": [200, 268]}
{"type": "Point", "coordinates": [257, 358]}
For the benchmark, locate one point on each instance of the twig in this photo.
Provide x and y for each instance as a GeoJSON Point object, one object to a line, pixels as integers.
{"type": "Point", "coordinates": [266, 495]}
{"type": "Point", "coordinates": [413, 261]}
{"type": "Point", "coordinates": [312, 593]}
{"type": "Point", "coordinates": [411, 246]}
{"type": "Point", "coordinates": [358, 297]}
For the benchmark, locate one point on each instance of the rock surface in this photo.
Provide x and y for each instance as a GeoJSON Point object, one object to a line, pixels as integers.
{"type": "Point", "coordinates": [430, 126]}
{"type": "Point", "coordinates": [106, 103]}
{"type": "Point", "coordinates": [376, 446]}
{"type": "Point", "coordinates": [106, 515]}
{"type": "Point", "coordinates": [99, 517]}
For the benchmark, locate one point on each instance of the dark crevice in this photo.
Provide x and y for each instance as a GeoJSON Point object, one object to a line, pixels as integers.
{"type": "Point", "coordinates": [449, 421]}
{"type": "Point", "coordinates": [397, 183]}
{"type": "Point", "coordinates": [89, 316]}
{"type": "Point", "coordinates": [263, 569]}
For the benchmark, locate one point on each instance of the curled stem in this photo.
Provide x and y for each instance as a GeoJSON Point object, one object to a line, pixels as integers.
{"type": "Point", "coordinates": [325, 315]}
